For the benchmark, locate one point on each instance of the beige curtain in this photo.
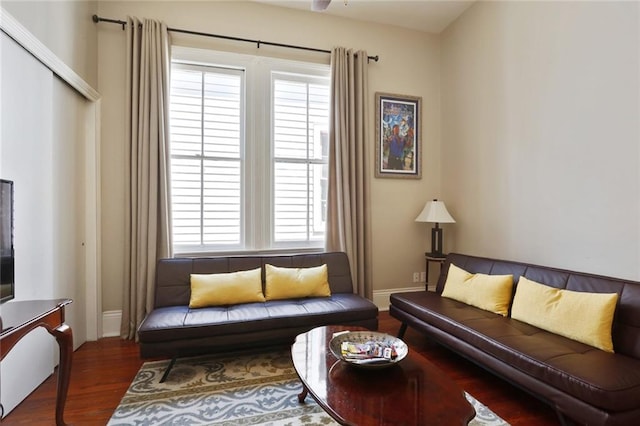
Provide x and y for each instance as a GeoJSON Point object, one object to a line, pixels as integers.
{"type": "Point", "coordinates": [348, 219]}
{"type": "Point", "coordinates": [148, 232]}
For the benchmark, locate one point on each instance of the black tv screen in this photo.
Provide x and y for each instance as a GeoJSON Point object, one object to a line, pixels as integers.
{"type": "Point", "coordinates": [7, 281]}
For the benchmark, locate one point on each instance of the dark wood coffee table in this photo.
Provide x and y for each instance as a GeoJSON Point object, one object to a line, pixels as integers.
{"type": "Point", "coordinates": [412, 392]}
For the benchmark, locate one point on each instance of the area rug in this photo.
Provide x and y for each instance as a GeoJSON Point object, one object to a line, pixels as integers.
{"type": "Point", "coordinates": [258, 389]}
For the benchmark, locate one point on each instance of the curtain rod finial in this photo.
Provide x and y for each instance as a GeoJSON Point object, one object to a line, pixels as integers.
{"type": "Point", "coordinates": [95, 18]}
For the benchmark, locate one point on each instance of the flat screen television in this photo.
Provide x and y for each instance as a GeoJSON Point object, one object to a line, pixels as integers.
{"type": "Point", "coordinates": [7, 279]}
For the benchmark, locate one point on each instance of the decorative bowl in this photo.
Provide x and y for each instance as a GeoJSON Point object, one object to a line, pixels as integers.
{"type": "Point", "coordinates": [370, 341]}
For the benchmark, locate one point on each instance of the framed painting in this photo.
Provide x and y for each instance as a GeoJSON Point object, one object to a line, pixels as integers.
{"type": "Point", "coordinates": [398, 136]}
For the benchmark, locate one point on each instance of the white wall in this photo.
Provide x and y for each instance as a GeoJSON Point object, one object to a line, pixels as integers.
{"type": "Point", "coordinates": [41, 127]}
{"type": "Point", "coordinates": [44, 125]}
{"type": "Point", "coordinates": [65, 27]}
{"type": "Point", "coordinates": [409, 64]}
{"type": "Point", "coordinates": [541, 138]}
{"type": "Point", "coordinates": [26, 150]}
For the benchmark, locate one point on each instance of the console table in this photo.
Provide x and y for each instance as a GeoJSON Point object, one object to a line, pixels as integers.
{"type": "Point", "coordinates": [20, 317]}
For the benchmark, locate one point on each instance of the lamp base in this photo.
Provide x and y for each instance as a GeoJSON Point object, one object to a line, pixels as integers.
{"type": "Point", "coordinates": [436, 241]}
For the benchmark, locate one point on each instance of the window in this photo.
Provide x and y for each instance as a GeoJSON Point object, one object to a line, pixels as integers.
{"type": "Point", "coordinates": [300, 141]}
{"type": "Point", "coordinates": [206, 122]}
{"type": "Point", "coordinates": [249, 147]}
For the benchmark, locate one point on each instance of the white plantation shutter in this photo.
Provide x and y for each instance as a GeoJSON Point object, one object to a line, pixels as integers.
{"type": "Point", "coordinates": [249, 146]}
{"type": "Point", "coordinates": [300, 146]}
{"type": "Point", "coordinates": [206, 131]}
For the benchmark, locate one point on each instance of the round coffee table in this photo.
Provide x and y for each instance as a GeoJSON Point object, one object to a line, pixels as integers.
{"type": "Point", "coordinates": [411, 392]}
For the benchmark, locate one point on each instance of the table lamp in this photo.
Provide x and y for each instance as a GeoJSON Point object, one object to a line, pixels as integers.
{"type": "Point", "coordinates": [435, 212]}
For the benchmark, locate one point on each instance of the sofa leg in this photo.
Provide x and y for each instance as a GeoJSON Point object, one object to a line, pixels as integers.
{"type": "Point", "coordinates": [403, 329]}
{"type": "Point", "coordinates": [166, 372]}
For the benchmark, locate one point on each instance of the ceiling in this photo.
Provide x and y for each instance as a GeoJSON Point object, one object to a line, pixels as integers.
{"type": "Point", "coordinates": [431, 16]}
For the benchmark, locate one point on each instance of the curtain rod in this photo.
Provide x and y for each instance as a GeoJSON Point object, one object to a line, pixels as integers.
{"type": "Point", "coordinates": [98, 19]}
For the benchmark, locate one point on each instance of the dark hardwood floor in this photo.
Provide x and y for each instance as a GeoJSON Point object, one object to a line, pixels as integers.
{"type": "Point", "coordinates": [103, 370]}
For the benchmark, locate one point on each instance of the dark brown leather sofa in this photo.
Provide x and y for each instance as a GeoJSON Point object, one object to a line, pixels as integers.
{"type": "Point", "coordinates": [174, 330]}
{"type": "Point", "coordinates": [582, 383]}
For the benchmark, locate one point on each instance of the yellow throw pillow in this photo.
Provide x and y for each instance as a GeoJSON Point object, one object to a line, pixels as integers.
{"type": "Point", "coordinates": [226, 289]}
{"type": "Point", "coordinates": [585, 317]}
{"type": "Point", "coordinates": [489, 292]}
{"type": "Point", "coordinates": [290, 283]}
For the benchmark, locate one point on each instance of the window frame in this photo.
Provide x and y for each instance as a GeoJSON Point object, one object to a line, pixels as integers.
{"type": "Point", "coordinates": [257, 198]}
{"type": "Point", "coordinates": [203, 157]}
{"type": "Point", "coordinates": [297, 77]}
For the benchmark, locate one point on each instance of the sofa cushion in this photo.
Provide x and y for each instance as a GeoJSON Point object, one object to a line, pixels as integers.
{"type": "Point", "coordinates": [180, 322]}
{"type": "Point", "coordinates": [291, 283]}
{"type": "Point", "coordinates": [602, 379]}
{"type": "Point", "coordinates": [489, 292]}
{"type": "Point", "coordinates": [626, 323]}
{"type": "Point", "coordinates": [582, 316]}
{"type": "Point", "coordinates": [228, 288]}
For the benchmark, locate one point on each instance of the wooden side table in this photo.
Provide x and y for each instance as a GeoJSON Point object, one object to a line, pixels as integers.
{"type": "Point", "coordinates": [21, 317]}
{"type": "Point", "coordinates": [430, 257]}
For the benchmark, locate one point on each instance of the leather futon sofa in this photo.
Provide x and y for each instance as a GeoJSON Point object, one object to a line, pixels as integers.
{"type": "Point", "coordinates": [582, 383]}
{"type": "Point", "coordinates": [173, 329]}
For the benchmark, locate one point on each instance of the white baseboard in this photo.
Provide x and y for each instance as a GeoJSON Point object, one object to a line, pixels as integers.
{"type": "Point", "coordinates": [111, 319]}
{"type": "Point", "coordinates": [381, 297]}
{"type": "Point", "coordinates": [111, 323]}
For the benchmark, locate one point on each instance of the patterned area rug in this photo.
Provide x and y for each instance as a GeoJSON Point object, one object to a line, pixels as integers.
{"type": "Point", "coordinates": [259, 389]}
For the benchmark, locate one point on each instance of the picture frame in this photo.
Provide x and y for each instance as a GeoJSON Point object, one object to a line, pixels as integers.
{"type": "Point", "coordinates": [398, 136]}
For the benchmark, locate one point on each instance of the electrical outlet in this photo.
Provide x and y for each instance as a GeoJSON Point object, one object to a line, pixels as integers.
{"type": "Point", "coordinates": [423, 277]}
{"type": "Point", "coordinates": [416, 277]}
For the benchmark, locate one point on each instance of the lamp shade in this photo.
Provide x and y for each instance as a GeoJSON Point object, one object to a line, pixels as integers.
{"type": "Point", "coordinates": [436, 212]}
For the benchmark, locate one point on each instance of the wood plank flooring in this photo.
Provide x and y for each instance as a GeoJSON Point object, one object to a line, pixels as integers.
{"type": "Point", "coordinates": [103, 370]}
